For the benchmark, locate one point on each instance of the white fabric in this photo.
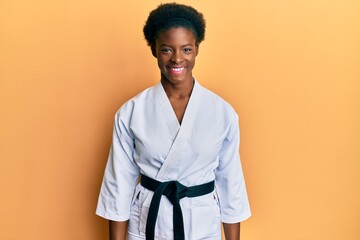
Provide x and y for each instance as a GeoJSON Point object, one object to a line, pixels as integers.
{"type": "Point", "coordinates": [148, 138]}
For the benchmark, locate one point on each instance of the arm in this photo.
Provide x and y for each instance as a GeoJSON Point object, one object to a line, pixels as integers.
{"type": "Point", "coordinates": [232, 231]}
{"type": "Point", "coordinates": [230, 184]}
{"type": "Point", "coordinates": [119, 180]}
{"type": "Point", "coordinates": [117, 230]}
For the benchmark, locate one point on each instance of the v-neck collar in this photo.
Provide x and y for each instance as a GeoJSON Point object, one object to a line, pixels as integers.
{"type": "Point", "coordinates": [179, 133]}
{"type": "Point", "coordinates": [168, 111]}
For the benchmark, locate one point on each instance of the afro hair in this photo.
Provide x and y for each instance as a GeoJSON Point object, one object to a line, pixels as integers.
{"type": "Point", "coordinates": [170, 15]}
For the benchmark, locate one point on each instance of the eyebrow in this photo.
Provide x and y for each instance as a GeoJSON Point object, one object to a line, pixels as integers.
{"type": "Point", "coordinates": [185, 45]}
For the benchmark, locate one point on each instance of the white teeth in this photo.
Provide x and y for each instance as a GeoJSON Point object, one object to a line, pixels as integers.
{"type": "Point", "coordinates": [177, 69]}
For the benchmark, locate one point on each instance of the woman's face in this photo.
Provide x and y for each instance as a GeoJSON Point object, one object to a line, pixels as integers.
{"type": "Point", "coordinates": [176, 50]}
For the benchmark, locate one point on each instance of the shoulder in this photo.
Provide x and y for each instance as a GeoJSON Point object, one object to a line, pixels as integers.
{"type": "Point", "coordinates": [138, 99]}
{"type": "Point", "coordinates": [219, 105]}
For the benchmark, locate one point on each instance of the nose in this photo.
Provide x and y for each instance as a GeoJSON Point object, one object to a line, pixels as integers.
{"type": "Point", "coordinates": [176, 57]}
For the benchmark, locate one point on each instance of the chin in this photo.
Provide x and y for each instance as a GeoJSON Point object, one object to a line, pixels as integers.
{"type": "Point", "coordinates": [175, 79]}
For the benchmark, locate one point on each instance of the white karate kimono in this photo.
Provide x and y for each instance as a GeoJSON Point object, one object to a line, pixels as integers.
{"type": "Point", "coordinates": [148, 139]}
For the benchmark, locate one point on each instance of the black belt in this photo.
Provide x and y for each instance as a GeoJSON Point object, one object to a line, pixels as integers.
{"type": "Point", "coordinates": [174, 191]}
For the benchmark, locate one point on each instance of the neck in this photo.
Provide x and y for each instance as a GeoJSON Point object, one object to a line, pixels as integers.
{"type": "Point", "coordinates": [182, 90]}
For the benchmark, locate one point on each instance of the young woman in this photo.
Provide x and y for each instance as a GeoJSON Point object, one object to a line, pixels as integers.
{"type": "Point", "coordinates": [174, 170]}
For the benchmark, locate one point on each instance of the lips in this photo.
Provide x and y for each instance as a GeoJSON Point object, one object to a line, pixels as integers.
{"type": "Point", "coordinates": [176, 70]}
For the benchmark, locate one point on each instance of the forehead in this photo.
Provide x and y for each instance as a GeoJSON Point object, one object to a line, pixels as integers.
{"type": "Point", "coordinates": [176, 35]}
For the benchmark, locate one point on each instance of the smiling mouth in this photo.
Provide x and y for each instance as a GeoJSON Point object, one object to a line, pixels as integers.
{"type": "Point", "coordinates": [176, 69]}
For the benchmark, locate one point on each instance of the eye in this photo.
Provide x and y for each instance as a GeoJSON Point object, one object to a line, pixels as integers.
{"type": "Point", "coordinates": [165, 50]}
{"type": "Point", "coordinates": [187, 50]}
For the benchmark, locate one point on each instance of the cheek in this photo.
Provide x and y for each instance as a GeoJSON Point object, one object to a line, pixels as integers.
{"type": "Point", "coordinates": [160, 62]}
{"type": "Point", "coordinates": [192, 62]}
{"type": "Point", "coordinates": [162, 67]}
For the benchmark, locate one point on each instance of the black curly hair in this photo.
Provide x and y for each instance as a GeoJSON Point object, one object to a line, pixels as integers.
{"type": "Point", "coordinates": [170, 15]}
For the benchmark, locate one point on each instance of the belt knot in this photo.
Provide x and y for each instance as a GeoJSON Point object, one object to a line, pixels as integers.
{"type": "Point", "coordinates": [174, 191]}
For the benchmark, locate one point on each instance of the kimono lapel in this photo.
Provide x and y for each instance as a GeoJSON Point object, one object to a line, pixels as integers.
{"type": "Point", "coordinates": [180, 132]}
{"type": "Point", "coordinates": [167, 110]}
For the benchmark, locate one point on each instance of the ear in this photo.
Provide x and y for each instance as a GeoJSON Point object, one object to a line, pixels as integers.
{"type": "Point", "coordinates": [153, 50]}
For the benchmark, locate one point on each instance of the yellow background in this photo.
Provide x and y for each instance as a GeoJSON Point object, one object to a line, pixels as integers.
{"type": "Point", "coordinates": [291, 69]}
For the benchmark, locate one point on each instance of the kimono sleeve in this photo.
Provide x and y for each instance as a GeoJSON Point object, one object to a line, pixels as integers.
{"type": "Point", "coordinates": [229, 180]}
{"type": "Point", "coordinates": [121, 173]}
